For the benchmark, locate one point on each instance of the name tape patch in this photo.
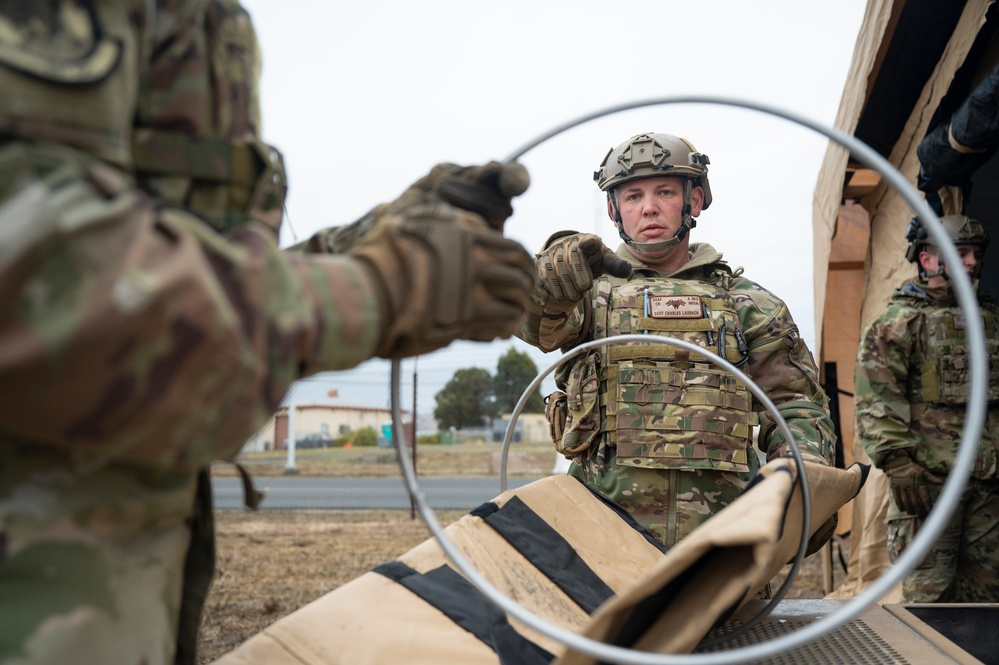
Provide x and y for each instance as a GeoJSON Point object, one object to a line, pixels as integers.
{"type": "Point", "coordinates": [675, 307]}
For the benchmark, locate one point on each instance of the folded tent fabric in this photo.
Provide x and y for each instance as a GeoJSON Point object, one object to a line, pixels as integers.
{"type": "Point", "coordinates": [554, 546]}
{"type": "Point", "coordinates": [569, 556]}
{"type": "Point", "coordinates": [721, 565]}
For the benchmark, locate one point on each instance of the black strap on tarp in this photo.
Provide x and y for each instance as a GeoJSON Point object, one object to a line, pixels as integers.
{"type": "Point", "coordinates": [550, 553]}
{"type": "Point", "coordinates": [547, 550]}
{"type": "Point", "coordinates": [461, 602]}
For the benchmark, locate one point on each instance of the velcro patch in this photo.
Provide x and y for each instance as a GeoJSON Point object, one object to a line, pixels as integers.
{"type": "Point", "coordinates": [675, 307]}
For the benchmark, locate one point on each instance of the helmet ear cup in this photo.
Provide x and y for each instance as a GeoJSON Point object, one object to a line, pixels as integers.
{"type": "Point", "coordinates": [916, 235]}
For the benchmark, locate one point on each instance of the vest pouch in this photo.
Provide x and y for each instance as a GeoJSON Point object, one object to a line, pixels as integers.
{"type": "Point", "coordinates": [555, 414]}
{"type": "Point", "coordinates": [582, 413]}
{"type": "Point", "coordinates": [672, 417]}
{"type": "Point", "coordinates": [945, 376]}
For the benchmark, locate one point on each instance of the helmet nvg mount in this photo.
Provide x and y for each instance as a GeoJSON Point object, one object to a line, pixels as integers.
{"type": "Point", "coordinates": [961, 229]}
{"type": "Point", "coordinates": [653, 155]}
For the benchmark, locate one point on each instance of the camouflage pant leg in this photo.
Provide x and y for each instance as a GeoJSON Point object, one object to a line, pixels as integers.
{"type": "Point", "coordinates": [962, 566]}
{"type": "Point", "coordinates": [669, 503]}
{"type": "Point", "coordinates": [977, 578]}
{"type": "Point", "coordinates": [91, 562]}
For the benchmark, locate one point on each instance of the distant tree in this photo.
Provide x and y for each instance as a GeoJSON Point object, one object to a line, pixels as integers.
{"type": "Point", "coordinates": [467, 400]}
{"type": "Point", "coordinates": [514, 372]}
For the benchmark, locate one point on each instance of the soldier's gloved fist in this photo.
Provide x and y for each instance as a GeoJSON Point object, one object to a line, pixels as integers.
{"type": "Point", "coordinates": [570, 261]}
{"type": "Point", "coordinates": [908, 481]}
{"type": "Point", "coordinates": [443, 274]}
{"type": "Point", "coordinates": [486, 190]}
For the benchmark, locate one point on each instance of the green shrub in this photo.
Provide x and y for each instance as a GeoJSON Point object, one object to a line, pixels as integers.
{"type": "Point", "coordinates": [365, 437]}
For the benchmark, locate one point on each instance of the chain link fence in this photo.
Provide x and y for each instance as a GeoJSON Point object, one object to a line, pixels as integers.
{"type": "Point", "coordinates": [329, 445]}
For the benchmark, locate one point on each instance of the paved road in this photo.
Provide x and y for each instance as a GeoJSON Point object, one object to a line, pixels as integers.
{"type": "Point", "coordinates": [362, 493]}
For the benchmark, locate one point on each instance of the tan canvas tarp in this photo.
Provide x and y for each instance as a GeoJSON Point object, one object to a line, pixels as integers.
{"type": "Point", "coordinates": [374, 619]}
{"type": "Point", "coordinates": [724, 563]}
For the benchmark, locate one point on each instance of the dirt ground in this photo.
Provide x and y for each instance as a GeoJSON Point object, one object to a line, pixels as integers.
{"type": "Point", "coordinates": [273, 562]}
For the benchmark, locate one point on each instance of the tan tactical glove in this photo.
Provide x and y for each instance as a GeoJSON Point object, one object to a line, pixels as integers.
{"type": "Point", "coordinates": [443, 274]}
{"type": "Point", "coordinates": [570, 261]}
{"type": "Point", "coordinates": [486, 190]}
{"type": "Point", "coordinates": [908, 480]}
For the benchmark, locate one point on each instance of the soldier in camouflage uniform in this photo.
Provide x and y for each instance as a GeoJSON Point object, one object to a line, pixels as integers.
{"type": "Point", "coordinates": [663, 432]}
{"type": "Point", "coordinates": [148, 322]}
{"type": "Point", "coordinates": [911, 395]}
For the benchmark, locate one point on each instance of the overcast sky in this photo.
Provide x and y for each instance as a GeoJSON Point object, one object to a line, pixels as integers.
{"type": "Point", "coordinates": [364, 97]}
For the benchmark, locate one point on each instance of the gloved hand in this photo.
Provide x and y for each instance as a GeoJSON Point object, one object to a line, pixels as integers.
{"type": "Point", "coordinates": [570, 261]}
{"type": "Point", "coordinates": [486, 190]}
{"type": "Point", "coordinates": [443, 274]}
{"type": "Point", "coordinates": [908, 480]}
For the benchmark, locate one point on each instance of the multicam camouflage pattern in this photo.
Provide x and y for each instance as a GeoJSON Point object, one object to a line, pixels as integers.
{"type": "Point", "coordinates": [148, 322]}
{"type": "Point", "coordinates": [120, 315]}
{"type": "Point", "coordinates": [184, 317]}
{"type": "Point", "coordinates": [665, 407]}
{"type": "Point", "coordinates": [71, 75]}
{"type": "Point", "coordinates": [91, 568]}
{"type": "Point", "coordinates": [214, 165]}
{"type": "Point", "coordinates": [911, 381]}
{"type": "Point", "coordinates": [962, 566]}
{"type": "Point", "coordinates": [670, 438]}
{"type": "Point", "coordinates": [911, 388]}
{"type": "Point", "coordinates": [669, 503]}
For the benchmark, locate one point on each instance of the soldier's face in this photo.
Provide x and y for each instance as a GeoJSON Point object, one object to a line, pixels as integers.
{"type": "Point", "coordinates": [652, 208]}
{"type": "Point", "coordinates": [971, 260]}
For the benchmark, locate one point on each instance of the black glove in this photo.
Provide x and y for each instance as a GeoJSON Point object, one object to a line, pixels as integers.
{"type": "Point", "coordinates": [486, 190]}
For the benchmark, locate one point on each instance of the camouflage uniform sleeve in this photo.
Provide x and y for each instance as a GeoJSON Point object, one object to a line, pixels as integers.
{"type": "Point", "coordinates": [127, 315]}
{"type": "Point", "coordinates": [340, 239]}
{"type": "Point", "coordinates": [550, 324]}
{"type": "Point", "coordinates": [881, 376]}
{"type": "Point", "coordinates": [782, 365]}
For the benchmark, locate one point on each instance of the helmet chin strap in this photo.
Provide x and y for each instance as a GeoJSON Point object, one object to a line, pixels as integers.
{"type": "Point", "coordinates": [940, 271]}
{"type": "Point", "coordinates": [656, 251]}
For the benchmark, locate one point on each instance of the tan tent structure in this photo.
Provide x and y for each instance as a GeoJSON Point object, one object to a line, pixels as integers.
{"type": "Point", "coordinates": [914, 63]}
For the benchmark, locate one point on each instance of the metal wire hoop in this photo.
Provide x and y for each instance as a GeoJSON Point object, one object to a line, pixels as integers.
{"type": "Point", "coordinates": [934, 522]}
{"type": "Point", "coordinates": [764, 399]}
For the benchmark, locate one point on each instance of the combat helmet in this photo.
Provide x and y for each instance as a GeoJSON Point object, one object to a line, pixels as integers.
{"type": "Point", "coordinates": [650, 155]}
{"type": "Point", "coordinates": [961, 229]}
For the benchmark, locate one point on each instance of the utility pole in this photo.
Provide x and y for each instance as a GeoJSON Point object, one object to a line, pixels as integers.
{"type": "Point", "coordinates": [412, 433]}
{"type": "Point", "coordinates": [290, 468]}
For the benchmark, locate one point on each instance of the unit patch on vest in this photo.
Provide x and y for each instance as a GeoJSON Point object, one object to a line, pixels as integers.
{"type": "Point", "coordinates": [675, 307]}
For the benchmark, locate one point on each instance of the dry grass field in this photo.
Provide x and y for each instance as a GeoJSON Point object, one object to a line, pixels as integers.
{"type": "Point", "coordinates": [270, 563]}
{"type": "Point", "coordinates": [273, 562]}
